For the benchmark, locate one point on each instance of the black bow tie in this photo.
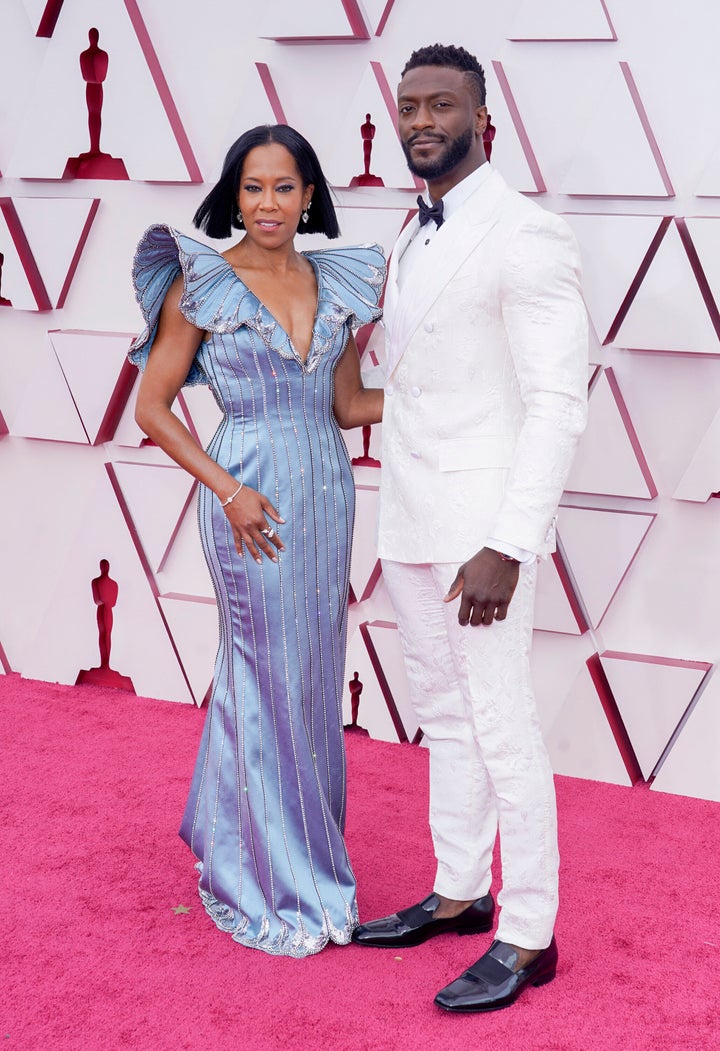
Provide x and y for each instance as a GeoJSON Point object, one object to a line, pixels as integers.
{"type": "Point", "coordinates": [426, 212]}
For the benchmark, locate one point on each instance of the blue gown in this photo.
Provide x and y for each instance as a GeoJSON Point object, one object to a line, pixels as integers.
{"type": "Point", "coordinates": [266, 810]}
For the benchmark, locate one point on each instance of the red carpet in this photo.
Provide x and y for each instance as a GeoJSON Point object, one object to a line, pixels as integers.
{"type": "Point", "coordinates": [95, 955]}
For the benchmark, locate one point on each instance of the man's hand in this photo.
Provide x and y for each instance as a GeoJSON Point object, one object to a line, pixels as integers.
{"type": "Point", "coordinates": [487, 583]}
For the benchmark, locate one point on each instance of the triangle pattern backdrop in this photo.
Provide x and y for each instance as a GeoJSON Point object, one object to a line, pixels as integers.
{"type": "Point", "coordinates": [611, 662]}
{"type": "Point", "coordinates": [54, 122]}
{"type": "Point", "coordinates": [652, 695]}
{"type": "Point", "coordinates": [558, 20]}
{"type": "Point", "coordinates": [634, 167]}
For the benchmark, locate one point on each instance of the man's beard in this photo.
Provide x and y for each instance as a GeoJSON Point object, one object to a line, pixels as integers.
{"type": "Point", "coordinates": [455, 152]}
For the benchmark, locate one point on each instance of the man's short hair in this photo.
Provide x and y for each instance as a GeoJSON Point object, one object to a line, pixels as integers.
{"type": "Point", "coordinates": [454, 57]}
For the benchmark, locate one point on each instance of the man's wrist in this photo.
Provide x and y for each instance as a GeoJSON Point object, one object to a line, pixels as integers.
{"type": "Point", "coordinates": [508, 558]}
{"type": "Point", "coordinates": [510, 551]}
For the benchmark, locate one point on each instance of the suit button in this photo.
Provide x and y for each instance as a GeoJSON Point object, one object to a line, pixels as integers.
{"type": "Point", "coordinates": [415, 391]}
{"type": "Point", "coordinates": [416, 455]}
{"type": "Point", "coordinates": [428, 326]}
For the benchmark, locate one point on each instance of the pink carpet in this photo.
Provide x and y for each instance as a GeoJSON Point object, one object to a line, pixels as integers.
{"type": "Point", "coordinates": [97, 952]}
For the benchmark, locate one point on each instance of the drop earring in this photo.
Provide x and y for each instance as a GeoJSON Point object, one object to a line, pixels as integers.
{"type": "Point", "coordinates": [239, 217]}
{"type": "Point", "coordinates": [305, 215]}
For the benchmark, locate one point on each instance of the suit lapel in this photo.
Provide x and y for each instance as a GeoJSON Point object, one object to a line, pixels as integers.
{"type": "Point", "coordinates": [392, 291]}
{"type": "Point", "coordinates": [454, 242]}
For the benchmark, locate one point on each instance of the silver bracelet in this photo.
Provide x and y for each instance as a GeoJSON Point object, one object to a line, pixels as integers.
{"type": "Point", "coordinates": [230, 499]}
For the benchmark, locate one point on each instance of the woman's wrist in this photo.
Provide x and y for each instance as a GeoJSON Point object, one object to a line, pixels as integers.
{"type": "Point", "coordinates": [226, 495]}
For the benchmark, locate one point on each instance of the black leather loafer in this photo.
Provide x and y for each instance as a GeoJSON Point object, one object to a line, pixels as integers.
{"type": "Point", "coordinates": [491, 983]}
{"type": "Point", "coordinates": [415, 925]}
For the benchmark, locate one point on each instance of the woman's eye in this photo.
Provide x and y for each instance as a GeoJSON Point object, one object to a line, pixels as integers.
{"type": "Point", "coordinates": [285, 188]}
{"type": "Point", "coordinates": [251, 189]}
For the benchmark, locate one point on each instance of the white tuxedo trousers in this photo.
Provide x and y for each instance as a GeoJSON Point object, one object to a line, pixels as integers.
{"type": "Point", "coordinates": [489, 768]}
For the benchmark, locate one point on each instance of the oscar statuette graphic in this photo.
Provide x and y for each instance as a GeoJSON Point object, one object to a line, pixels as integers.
{"type": "Point", "coordinates": [367, 132]}
{"type": "Point", "coordinates": [94, 164]}
{"type": "Point", "coordinates": [488, 136]}
{"type": "Point", "coordinates": [3, 301]}
{"type": "Point", "coordinates": [356, 687]}
{"type": "Point", "coordinates": [105, 595]}
{"type": "Point", "coordinates": [365, 460]}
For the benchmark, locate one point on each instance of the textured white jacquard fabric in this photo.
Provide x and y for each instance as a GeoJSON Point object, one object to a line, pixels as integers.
{"type": "Point", "coordinates": [489, 769]}
{"type": "Point", "coordinates": [487, 379]}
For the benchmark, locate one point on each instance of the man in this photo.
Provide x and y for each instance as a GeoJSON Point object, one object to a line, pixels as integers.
{"type": "Point", "coordinates": [485, 398]}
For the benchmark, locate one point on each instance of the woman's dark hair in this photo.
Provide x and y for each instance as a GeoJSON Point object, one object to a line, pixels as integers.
{"type": "Point", "coordinates": [217, 215]}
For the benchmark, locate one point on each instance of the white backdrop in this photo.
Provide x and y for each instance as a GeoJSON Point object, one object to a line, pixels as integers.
{"type": "Point", "coordinates": [605, 111]}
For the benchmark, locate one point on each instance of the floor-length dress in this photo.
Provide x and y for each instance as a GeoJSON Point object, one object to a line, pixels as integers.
{"type": "Point", "coordinates": [266, 809]}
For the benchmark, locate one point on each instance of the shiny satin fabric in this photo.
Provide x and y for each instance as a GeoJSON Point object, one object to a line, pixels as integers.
{"type": "Point", "coordinates": [266, 809]}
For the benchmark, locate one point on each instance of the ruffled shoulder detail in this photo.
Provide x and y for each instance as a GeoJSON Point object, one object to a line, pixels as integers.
{"type": "Point", "coordinates": [351, 281]}
{"type": "Point", "coordinates": [213, 298]}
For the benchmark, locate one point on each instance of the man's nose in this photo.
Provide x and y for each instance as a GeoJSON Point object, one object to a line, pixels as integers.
{"type": "Point", "coordinates": [423, 117]}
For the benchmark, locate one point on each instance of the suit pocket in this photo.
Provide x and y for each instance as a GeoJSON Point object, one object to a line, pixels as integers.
{"type": "Point", "coordinates": [482, 452]}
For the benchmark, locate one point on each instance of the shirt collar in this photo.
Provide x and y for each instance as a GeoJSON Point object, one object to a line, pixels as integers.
{"type": "Point", "coordinates": [456, 197]}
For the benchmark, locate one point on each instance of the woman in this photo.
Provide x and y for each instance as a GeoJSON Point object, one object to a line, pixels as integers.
{"type": "Point", "coordinates": [270, 330]}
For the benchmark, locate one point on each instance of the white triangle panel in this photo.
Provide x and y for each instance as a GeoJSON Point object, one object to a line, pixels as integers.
{"type": "Point", "coordinates": [386, 640]}
{"type": "Point", "coordinates": [35, 9]}
{"type": "Point", "coordinates": [612, 248]}
{"type": "Point", "coordinates": [373, 714]}
{"type": "Point", "coordinates": [616, 156]}
{"type": "Point", "coordinates": [511, 149]}
{"type": "Point", "coordinates": [202, 413]}
{"type": "Point", "coordinates": [691, 767]}
{"type": "Point", "coordinates": [91, 363]}
{"type": "Point", "coordinates": [702, 477]}
{"type": "Point", "coordinates": [376, 607]}
{"type": "Point", "coordinates": [553, 611]}
{"type": "Point", "coordinates": [377, 13]}
{"type": "Point", "coordinates": [16, 286]}
{"type": "Point", "coordinates": [705, 234]}
{"type": "Point", "coordinates": [601, 546]}
{"type": "Point", "coordinates": [193, 624]}
{"type": "Point", "coordinates": [183, 568]}
{"type": "Point", "coordinates": [56, 229]}
{"type": "Point", "coordinates": [254, 108]}
{"type": "Point", "coordinates": [286, 19]}
{"type": "Point", "coordinates": [53, 125]}
{"type": "Point", "coordinates": [579, 738]}
{"type": "Point", "coordinates": [560, 20]}
{"type": "Point", "coordinates": [346, 159]}
{"type": "Point", "coordinates": [668, 311]}
{"type": "Point", "coordinates": [67, 637]}
{"type": "Point", "coordinates": [609, 459]}
{"type": "Point", "coordinates": [361, 223]}
{"type": "Point", "coordinates": [46, 409]}
{"type": "Point", "coordinates": [127, 431]}
{"type": "Point", "coordinates": [652, 693]}
{"type": "Point", "coordinates": [364, 565]}
{"type": "Point", "coordinates": [155, 497]}
{"type": "Point", "coordinates": [709, 185]}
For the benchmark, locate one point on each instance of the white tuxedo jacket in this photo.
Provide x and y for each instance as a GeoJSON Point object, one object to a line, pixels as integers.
{"type": "Point", "coordinates": [486, 390]}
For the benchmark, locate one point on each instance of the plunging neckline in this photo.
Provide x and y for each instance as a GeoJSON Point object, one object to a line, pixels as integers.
{"type": "Point", "coordinates": [318, 278]}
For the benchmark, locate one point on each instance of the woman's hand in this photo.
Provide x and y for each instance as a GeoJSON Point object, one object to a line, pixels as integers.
{"type": "Point", "coordinates": [248, 514]}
